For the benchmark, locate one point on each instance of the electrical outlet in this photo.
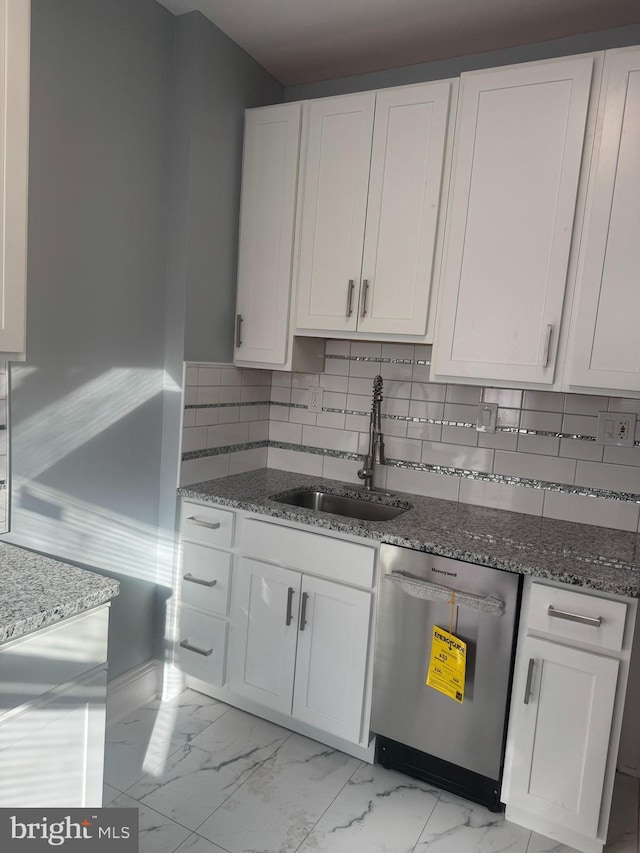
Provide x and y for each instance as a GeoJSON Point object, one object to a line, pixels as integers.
{"type": "Point", "coordinates": [315, 399]}
{"type": "Point", "coordinates": [616, 429]}
{"type": "Point", "coordinates": [487, 417]}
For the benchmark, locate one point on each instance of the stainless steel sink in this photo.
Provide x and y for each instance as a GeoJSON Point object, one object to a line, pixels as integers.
{"type": "Point", "coordinates": [366, 510]}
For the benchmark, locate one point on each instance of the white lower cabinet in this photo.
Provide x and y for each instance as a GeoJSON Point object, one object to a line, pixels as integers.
{"type": "Point", "coordinates": [568, 692]}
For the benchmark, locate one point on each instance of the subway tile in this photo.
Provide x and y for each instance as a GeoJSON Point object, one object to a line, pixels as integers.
{"type": "Point", "coordinates": [206, 417]}
{"type": "Point", "coordinates": [367, 369]}
{"type": "Point", "coordinates": [398, 372]}
{"type": "Point", "coordinates": [426, 432]}
{"type": "Point", "coordinates": [341, 469]}
{"type": "Point", "coordinates": [420, 409]}
{"type": "Point", "coordinates": [535, 467]}
{"type": "Point", "coordinates": [390, 426]}
{"type": "Point", "coordinates": [263, 411]}
{"type": "Point", "coordinates": [334, 400]}
{"type": "Point", "coordinates": [457, 456]}
{"type": "Point", "coordinates": [508, 418]}
{"type": "Point", "coordinates": [538, 444]}
{"type": "Point", "coordinates": [405, 351]}
{"type": "Point", "coordinates": [300, 396]}
{"type": "Point", "coordinates": [255, 376]}
{"type": "Point", "coordinates": [618, 478]}
{"type": "Point", "coordinates": [208, 394]}
{"type": "Point", "coordinates": [229, 415]}
{"type": "Point", "coordinates": [305, 380]}
{"type": "Point", "coordinates": [358, 403]}
{"type": "Point", "coordinates": [230, 376]}
{"type": "Point", "coordinates": [422, 483]}
{"type": "Point", "coordinates": [574, 448]}
{"type": "Point", "coordinates": [227, 434]}
{"type": "Point", "coordinates": [337, 366]}
{"type": "Point", "coordinates": [331, 439]}
{"type": "Point", "coordinates": [428, 391]}
{"type": "Point", "coordinates": [544, 401]}
{"type": "Point", "coordinates": [363, 442]}
{"type": "Point", "coordinates": [296, 461]}
{"type": "Point", "coordinates": [335, 420]}
{"type": "Point", "coordinates": [255, 393]}
{"type": "Point", "coordinates": [209, 376]}
{"type": "Point", "coordinates": [302, 416]}
{"type": "Point", "coordinates": [541, 421]}
{"type": "Point", "coordinates": [190, 396]}
{"type": "Point", "coordinates": [622, 455]}
{"type": "Point", "coordinates": [406, 449]}
{"type": "Point", "coordinates": [194, 438]}
{"type": "Point", "coordinates": [507, 397]}
{"type": "Point", "coordinates": [258, 430]}
{"type": "Point", "coordinates": [501, 496]}
{"type": "Point", "coordinates": [358, 385]}
{"type": "Point", "coordinates": [280, 413]}
{"type": "Point", "coordinates": [397, 388]}
{"type": "Point", "coordinates": [422, 352]}
{"type": "Point", "coordinates": [394, 406]}
{"type": "Point", "coordinates": [291, 433]}
{"type": "Point", "coordinates": [280, 394]}
{"type": "Point", "coordinates": [498, 440]}
{"type": "Point", "coordinates": [333, 347]}
{"type": "Point", "coordinates": [584, 404]}
{"type": "Point", "coordinates": [364, 349]}
{"type": "Point", "coordinates": [621, 404]}
{"type": "Point", "coordinates": [591, 510]}
{"type": "Point", "coordinates": [357, 423]}
{"type": "Point", "coordinates": [190, 375]}
{"type": "Point", "coordinates": [249, 413]}
{"type": "Point", "coordinates": [248, 460]}
{"type": "Point", "coordinates": [230, 393]}
{"type": "Point", "coordinates": [207, 468]}
{"type": "Point", "coordinates": [467, 394]}
{"type": "Point", "coordinates": [460, 435]}
{"type": "Point", "coordinates": [579, 425]}
{"type": "Point", "coordinates": [460, 413]}
{"type": "Point", "coordinates": [189, 419]}
{"type": "Point", "coordinates": [280, 379]}
{"type": "Point", "coordinates": [421, 373]}
{"type": "Point", "coordinates": [334, 383]}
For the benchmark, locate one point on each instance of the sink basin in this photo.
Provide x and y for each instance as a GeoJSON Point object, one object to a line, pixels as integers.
{"type": "Point", "coordinates": [365, 510]}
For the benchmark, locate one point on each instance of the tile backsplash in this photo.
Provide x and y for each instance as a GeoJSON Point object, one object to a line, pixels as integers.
{"type": "Point", "coordinates": [541, 460]}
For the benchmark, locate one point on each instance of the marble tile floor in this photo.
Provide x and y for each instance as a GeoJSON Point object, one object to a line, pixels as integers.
{"type": "Point", "coordinates": [208, 778]}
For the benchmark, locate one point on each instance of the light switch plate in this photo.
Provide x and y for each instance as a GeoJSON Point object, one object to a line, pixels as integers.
{"type": "Point", "coordinates": [487, 417]}
{"type": "Point", "coordinates": [616, 429]}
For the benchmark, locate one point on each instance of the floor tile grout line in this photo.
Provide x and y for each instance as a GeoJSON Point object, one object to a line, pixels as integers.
{"type": "Point", "coordinates": [438, 792]}
{"type": "Point", "coordinates": [359, 767]}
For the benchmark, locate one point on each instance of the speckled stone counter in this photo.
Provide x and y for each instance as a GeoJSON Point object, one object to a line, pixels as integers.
{"type": "Point", "coordinates": [579, 554]}
{"type": "Point", "coordinates": [36, 591]}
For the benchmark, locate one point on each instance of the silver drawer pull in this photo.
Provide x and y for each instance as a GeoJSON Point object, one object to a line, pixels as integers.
{"type": "Point", "coordinates": [527, 687]}
{"type": "Point", "coordinates": [185, 644]}
{"type": "Point", "coordinates": [212, 525]}
{"type": "Point", "coordinates": [189, 577]}
{"type": "Point", "coordinates": [594, 621]}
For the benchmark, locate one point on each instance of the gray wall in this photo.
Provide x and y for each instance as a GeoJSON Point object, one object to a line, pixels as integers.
{"type": "Point", "coordinates": [440, 69]}
{"type": "Point", "coordinates": [87, 404]}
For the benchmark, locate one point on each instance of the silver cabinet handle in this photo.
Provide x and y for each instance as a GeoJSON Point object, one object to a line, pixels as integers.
{"type": "Point", "coordinates": [185, 644]}
{"type": "Point", "coordinates": [303, 610]}
{"type": "Point", "coordinates": [238, 330]}
{"type": "Point", "coordinates": [212, 525]}
{"type": "Point", "coordinates": [547, 344]}
{"type": "Point", "coordinates": [527, 687]}
{"type": "Point", "coordinates": [365, 291]}
{"type": "Point", "coordinates": [189, 577]}
{"type": "Point", "coordinates": [594, 621]}
{"type": "Point", "coordinates": [350, 287]}
{"type": "Point", "coordinates": [289, 615]}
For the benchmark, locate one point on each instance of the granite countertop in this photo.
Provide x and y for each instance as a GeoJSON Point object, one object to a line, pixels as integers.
{"type": "Point", "coordinates": [596, 557]}
{"type": "Point", "coordinates": [37, 591]}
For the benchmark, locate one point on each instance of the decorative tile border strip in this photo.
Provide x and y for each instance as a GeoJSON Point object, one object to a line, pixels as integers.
{"type": "Point", "coordinates": [381, 359]}
{"type": "Point", "coordinates": [462, 473]}
{"type": "Point", "coordinates": [228, 405]}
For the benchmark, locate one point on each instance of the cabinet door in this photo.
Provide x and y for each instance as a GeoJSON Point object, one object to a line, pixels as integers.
{"type": "Point", "coordinates": [14, 156]}
{"type": "Point", "coordinates": [404, 199]}
{"type": "Point", "coordinates": [267, 214]}
{"type": "Point", "coordinates": [606, 351]}
{"type": "Point", "coordinates": [264, 633]}
{"type": "Point", "coordinates": [561, 735]}
{"type": "Point", "coordinates": [333, 639]}
{"type": "Point", "coordinates": [52, 753]}
{"type": "Point", "coordinates": [334, 207]}
{"type": "Point", "coordinates": [519, 139]}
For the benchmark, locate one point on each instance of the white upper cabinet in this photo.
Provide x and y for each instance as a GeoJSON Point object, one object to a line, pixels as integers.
{"type": "Point", "coordinates": [267, 220]}
{"type": "Point", "coordinates": [14, 159]}
{"type": "Point", "coordinates": [517, 157]}
{"type": "Point", "coordinates": [606, 345]}
{"type": "Point", "coordinates": [371, 199]}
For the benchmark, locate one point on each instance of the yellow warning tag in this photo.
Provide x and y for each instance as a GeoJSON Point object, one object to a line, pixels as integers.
{"type": "Point", "coordinates": [447, 664]}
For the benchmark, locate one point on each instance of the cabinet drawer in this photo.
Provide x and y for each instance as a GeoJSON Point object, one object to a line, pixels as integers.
{"type": "Point", "coordinates": [202, 646]}
{"type": "Point", "coordinates": [567, 603]}
{"type": "Point", "coordinates": [206, 575]}
{"type": "Point", "coordinates": [207, 524]}
{"type": "Point", "coordinates": [34, 664]}
{"type": "Point", "coordinates": [310, 552]}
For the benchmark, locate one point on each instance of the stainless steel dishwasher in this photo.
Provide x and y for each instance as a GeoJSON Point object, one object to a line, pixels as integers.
{"type": "Point", "coordinates": [421, 732]}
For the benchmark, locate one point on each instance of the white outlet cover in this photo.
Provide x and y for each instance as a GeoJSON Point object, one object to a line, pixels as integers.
{"type": "Point", "coordinates": [487, 417]}
{"type": "Point", "coordinates": [616, 429]}
{"type": "Point", "coordinates": [315, 399]}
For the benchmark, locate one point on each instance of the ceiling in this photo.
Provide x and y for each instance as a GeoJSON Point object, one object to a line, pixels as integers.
{"type": "Point", "coordinates": [301, 41]}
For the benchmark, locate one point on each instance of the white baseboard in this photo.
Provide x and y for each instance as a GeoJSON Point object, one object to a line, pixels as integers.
{"type": "Point", "coordinates": [132, 689]}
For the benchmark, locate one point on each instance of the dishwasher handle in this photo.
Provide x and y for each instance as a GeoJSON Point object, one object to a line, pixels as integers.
{"type": "Point", "coordinates": [436, 592]}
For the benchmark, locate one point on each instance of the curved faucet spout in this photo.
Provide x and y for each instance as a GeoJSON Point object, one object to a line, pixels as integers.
{"type": "Point", "coordinates": [375, 456]}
